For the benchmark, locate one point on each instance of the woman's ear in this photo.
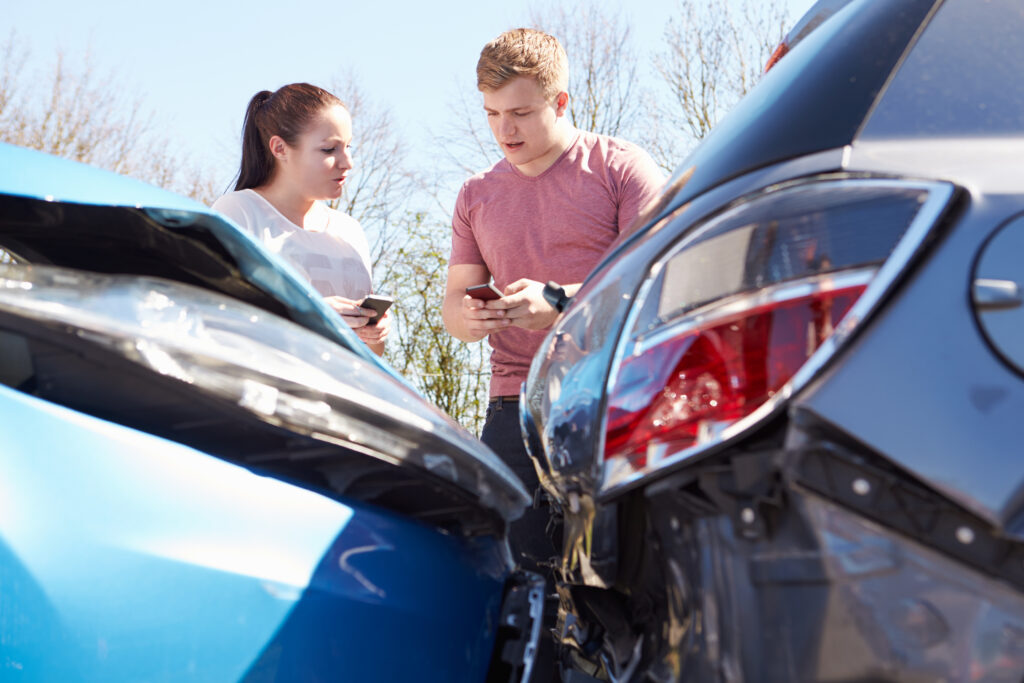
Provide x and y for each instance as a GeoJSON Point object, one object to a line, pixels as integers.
{"type": "Point", "coordinates": [278, 147]}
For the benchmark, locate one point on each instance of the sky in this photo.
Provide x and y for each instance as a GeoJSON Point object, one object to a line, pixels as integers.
{"type": "Point", "coordinates": [196, 63]}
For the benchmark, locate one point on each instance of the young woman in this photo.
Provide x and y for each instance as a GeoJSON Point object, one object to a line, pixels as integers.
{"type": "Point", "coordinates": [296, 152]}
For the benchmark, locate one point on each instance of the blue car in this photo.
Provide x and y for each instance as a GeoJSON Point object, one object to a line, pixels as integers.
{"type": "Point", "coordinates": [204, 475]}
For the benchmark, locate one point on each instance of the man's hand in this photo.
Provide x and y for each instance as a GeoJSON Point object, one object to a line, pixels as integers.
{"type": "Point", "coordinates": [467, 318]}
{"type": "Point", "coordinates": [525, 306]}
{"type": "Point", "coordinates": [479, 320]}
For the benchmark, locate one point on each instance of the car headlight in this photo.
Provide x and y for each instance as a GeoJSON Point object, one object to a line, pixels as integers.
{"type": "Point", "coordinates": [277, 371]}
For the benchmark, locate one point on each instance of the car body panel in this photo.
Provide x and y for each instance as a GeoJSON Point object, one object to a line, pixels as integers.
{"type": "Point", "coordinates": [28, 173]}
{"type": "Point", "coordinates": [892, 365]}
{"type": "Point", "coordinates": [871, 528]}
{"type": "Point", "coordinates": [205, 474]}
{"type": "Point", "coordinates": [127, 556]}
{"type": "Point", "coordinates": [106, 222]}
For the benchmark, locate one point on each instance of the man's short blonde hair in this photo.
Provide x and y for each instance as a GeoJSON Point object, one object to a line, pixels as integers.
{"type": "Point", "coordinates": [523, 52]}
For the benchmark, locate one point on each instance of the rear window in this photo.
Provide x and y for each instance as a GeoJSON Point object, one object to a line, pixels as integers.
{"type": "Point", "coordinates": [962, 79]}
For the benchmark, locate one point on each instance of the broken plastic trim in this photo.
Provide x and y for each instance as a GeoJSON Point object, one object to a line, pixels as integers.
{"type": "Point", "coordinates": [522, 613]}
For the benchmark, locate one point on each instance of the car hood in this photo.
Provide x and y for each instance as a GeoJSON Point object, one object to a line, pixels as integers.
{"type": "Point", "coordinates": [164, 304]}
{"type": "Point", "coordinates": [231, 380]}
{"type": "Point", "coordinates": [58, 212]}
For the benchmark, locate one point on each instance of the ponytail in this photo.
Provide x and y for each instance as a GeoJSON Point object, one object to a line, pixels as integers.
{"type": "Point", "coordinates": [285, 113]}
{"type": "Point", "coordinates": [256, 161]}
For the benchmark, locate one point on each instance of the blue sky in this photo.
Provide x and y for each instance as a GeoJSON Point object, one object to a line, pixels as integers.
{"type": "Point", "coordinates": [197, 62]}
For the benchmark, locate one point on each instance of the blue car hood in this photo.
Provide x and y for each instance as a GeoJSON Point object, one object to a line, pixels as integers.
{"type": "Point", "coordinates": [93, 259]}
{"type": "Point", "coordinates": [46, 193]}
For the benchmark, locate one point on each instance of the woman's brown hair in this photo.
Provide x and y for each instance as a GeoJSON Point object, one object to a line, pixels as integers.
{"type": "Point", "coordinates": [285, 113]}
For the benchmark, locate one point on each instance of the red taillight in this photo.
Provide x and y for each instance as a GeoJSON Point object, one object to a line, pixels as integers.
{"type": "Point", "coordinates": [732, 317]}
{"type": "Point", "coordinates": [716, 373]}
{"type": "Point", "coordinates": [778, 54]}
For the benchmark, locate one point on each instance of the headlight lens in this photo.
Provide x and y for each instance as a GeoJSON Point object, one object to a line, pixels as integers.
{"type": "Point", "coordinates": [747, 307]}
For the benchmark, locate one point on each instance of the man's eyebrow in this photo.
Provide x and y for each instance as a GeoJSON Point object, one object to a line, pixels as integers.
{"type": "Point", "coordinates": [519, 108]}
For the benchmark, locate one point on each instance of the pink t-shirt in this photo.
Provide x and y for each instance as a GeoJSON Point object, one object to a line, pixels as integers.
{"type": "Point", "coordinates": [554, 226]}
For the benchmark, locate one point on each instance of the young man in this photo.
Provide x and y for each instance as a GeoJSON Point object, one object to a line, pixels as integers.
{"type": "Point", "coordinates": [547, 211]}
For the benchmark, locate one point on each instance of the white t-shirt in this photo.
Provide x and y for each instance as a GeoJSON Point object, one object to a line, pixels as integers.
{"type": "Point", "coordinates": [335, 259]}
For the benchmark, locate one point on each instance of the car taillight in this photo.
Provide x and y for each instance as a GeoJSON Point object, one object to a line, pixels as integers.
{"type": "Point", "coordinates": [780, 51]}
{"type": "Point", "coordinates": [747, 307]}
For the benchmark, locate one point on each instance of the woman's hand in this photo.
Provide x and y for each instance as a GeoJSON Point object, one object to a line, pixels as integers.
{"type": "Point", "coordinates": [354, 315]}
{"type": "Point", "coordinates": [358, 319]}
{"type": "Point", "coordinates": [375, 334]}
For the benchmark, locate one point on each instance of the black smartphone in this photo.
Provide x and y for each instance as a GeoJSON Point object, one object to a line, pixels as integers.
{"type": "Point", "coordinates": [379, 303]}
{"type": "Point", "coordinates": [486, 292]}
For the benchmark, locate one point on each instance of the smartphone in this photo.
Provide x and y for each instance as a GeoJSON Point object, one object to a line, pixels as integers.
{"type": "Point", "coordinates": [379, 303]}
{"type": "Point", "coordinates": [486, 292]}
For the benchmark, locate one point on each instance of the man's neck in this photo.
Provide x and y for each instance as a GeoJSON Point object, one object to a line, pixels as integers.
{"type": "Point", "coordinates": [565, 138]}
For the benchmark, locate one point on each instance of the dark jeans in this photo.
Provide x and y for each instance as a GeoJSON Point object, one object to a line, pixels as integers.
{"type": "Point", "coordinates": [532, 536]}
{"type": "Point", "coordinates": [535, 540]}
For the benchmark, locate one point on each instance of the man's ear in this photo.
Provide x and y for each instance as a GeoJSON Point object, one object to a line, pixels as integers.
{"type": "Point", "coordinates": [561, 103]}
{"type": "Point", "coordinates": [278, 147]}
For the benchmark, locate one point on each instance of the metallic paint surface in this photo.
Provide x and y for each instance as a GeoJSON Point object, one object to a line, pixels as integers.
{"type": "Point", "coordinates": [126, 557]}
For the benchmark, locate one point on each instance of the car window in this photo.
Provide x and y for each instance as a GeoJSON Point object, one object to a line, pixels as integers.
{"type": "Point", "coordinates": [962, 78]}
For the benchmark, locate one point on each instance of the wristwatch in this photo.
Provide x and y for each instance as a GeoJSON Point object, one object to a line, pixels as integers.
{"type": "Point", "coordinates": [554, 294]}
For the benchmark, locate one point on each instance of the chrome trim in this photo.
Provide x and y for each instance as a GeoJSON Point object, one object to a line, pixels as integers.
{"type": "Point", "coordinates": [996, 295]}
{"type": "Point", "coordinates": [527, 427]}
{"type": "Point", "coordinates": [747, 301]}
{"type": "Point", "coordinates": [618, 476]}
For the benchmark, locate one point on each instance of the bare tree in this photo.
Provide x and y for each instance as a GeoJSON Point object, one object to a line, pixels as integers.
{"type": "Point", "coordinates": [410, 255]}
{"type": "Point", "coordinates": [467, 141]}
{"type": "Point", "coordinates": [604, 85]}
{"type": "Point", "coordinates": [383, 181]}
{"type": "Point", "coordinates": [713, 55]}
{"type": "Point", "coordinates": [80, 114]}
{"type": "Point", "coordinates": [451, 374]}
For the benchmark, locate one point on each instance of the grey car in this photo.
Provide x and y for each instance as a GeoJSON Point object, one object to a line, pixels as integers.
{"type": "Point", "coordinates": [782, 421]}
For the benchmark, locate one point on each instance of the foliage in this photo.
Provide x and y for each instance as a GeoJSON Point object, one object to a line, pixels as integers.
{"type": "Point", "coordinates": [451, 374]}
